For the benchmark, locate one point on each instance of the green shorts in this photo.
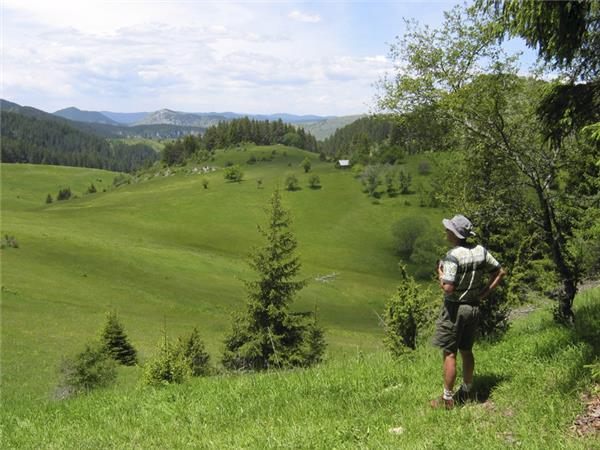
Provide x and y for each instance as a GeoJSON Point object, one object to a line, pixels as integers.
{"type": "Point", "coordinates": [455, 329]}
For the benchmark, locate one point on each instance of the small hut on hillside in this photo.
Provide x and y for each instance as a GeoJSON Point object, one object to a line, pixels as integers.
{"type": "Point", "coordinates": [343, 164]}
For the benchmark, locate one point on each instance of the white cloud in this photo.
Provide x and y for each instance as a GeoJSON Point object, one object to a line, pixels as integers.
{"type": "Point", "coordinates": [135, 57]}
{"type": "Point", "coordinates": [303, 17]}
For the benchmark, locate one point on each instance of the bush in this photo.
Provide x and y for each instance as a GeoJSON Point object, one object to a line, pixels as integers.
{"type": "Point", "coordinates": [314, 182]}
{"type": "Point", "coordinates": [424, 168]}
{"type": "Point", "coordinates": [404, 181]}
{"type": "Point", "coordinates": [405, 233]}
{"type": "Point", "coordinates": [121, 179]}
{"type": "Point", "coordinates": [205, 183]}
{"type": "Point", "coordinates": [191, 349]}
{"type": "Point", "coordinates": [91, 189]}
{"type": "Point", "coordinates": [166, 367]}
{"type": "Point", "coordinates": [259, 183]}
{"type": "Point", "coordinates": [357, 170]}
{"type": "Point", "coordinates": [371, 180]}
{"type": "Point", "coordinates": [49, 199]}
{"type": "Point", "coordinates": [234, 173]}
{"type": "Point", "coordinates": [493, 314]}
{"type": "Point", "coordinates": [406, 313]}
{"type": "Point", "coordinates": [426, 250]}
{"type": "Point", "coordinates": [390, 183]}
{"type": "Point", "coordinates": [115, 341]}
{"type": "Point", "coordinates": [306, 165]}
{"type": "Point", "coordinates": [64, 194]}
{"type": "Point", "coordinates": [252, 159]}
{"type": "Point", "coordinates": [291, 183]}
{"type": "Point", "coordinates": [9, 242]}
{"type": "Point", "coordinates": [91, 368]}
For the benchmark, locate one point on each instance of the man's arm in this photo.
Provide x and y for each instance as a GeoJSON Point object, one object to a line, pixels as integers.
{"type": "Point", "coordinates": [494, 282]}
{"type": "Point", "coordinates": [446, 287]}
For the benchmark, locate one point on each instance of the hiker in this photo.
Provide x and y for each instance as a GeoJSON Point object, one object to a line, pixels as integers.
{"type": "Point", "coordinates": [467, 275]}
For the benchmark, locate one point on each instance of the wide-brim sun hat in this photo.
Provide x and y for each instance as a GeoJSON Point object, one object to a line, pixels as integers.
{"type": "Point", "coordinates": [460, 226]}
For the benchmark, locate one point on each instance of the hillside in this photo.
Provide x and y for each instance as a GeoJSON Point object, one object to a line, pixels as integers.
{"type": "Point", "coordinates": [162, 249]}
{"type": "Point", "coordinates": [104, 130]}
{"type": "Point", "coordinates": [166, 116]}
{"type": "Point", "coordinates": [322, 129]}
{"type": "Point", "coordinates": [46, 140]}
{"type": "Point", "coordinates": [166, 246]}
{"type": "Point", "coordinates": [78, 115]}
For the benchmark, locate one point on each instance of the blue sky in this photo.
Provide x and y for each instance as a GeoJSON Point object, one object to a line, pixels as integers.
{"type": "Point", "coordinates": [253, 57]}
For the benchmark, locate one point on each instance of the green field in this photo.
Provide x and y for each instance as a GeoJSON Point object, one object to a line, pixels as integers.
{"type": "Point", "coordinates": [167, 249]}
{"type": "Point", "coordinates": [164, 249]}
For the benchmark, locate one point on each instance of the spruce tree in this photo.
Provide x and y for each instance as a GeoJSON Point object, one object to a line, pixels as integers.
{"type": "Point", "coordinates": [406, 312]}
{"type": "Point", "coordinates": [268, 335]}
{"type": "Point", "coordinates": [192, 350]}
{"type": "Point", "coordinates": [115, 341]}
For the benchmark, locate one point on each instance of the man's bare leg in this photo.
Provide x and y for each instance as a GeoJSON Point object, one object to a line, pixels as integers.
{"type": "Point", "coordinates": [468, 366]}
{"type": "Point", "coordinates": [449, 370]}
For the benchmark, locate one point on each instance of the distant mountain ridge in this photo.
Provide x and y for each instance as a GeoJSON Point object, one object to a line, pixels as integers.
{"type": "Point", "coordinates": [167, 116]}
{"type": "Point", "coordinates": [79, 115]}
{"type": "Point", "coordinates": [171, 124]}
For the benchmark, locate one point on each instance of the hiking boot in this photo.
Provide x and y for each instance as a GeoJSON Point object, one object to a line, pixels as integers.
{"type": "Point", "coordinates": [462, 396]}
{"type": "Point", "coordinates": [441, 402]}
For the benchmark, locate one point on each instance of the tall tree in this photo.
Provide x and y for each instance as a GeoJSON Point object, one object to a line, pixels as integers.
{"type": "Point", "coordinates": [461, 68]}
{"type": "Point", "coordinates": [269, 335]}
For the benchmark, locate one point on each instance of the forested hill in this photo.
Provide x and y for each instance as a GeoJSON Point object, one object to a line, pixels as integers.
{"type": "Point", "coordinates": [417, 132]}
{"type": "Point", "coordinates": [105, 130]}
{"type": "Point", "coordinates": [39, 140]}
{"type": "Point", "coordinates": [343, 142]}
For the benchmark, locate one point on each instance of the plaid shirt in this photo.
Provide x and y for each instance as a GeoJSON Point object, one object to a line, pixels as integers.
{"type": "Point", "coordinates": [469, 270]}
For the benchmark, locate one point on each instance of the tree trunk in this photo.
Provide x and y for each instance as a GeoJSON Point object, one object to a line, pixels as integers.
{"type": "Point", "coordinates": [564, 311]}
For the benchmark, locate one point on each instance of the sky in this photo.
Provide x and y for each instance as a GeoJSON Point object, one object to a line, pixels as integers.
{"type": "Point", "coordinates": [256, 57]}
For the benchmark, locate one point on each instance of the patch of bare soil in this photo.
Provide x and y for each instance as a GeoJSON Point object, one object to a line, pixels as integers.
{"type": "Point", "coordinates": [589, 421]}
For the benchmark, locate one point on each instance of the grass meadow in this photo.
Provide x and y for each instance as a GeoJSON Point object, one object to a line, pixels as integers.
{"type": "Point", "coordinates": [166, 250]}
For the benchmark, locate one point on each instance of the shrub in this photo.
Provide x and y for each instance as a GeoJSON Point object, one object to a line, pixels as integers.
{"type": "Point", "coordinates": [291, 182]}
{"type": "Point", "coordinates": [405, 233]}
{"type": "Point", "coordinates": [205, 183]}
{"type": "Point", "coordinates": [390, 183]}
{"type": "Point", "coordinates": [259, 183]}
{"type": "Point", "coordinates": [493, 314]}
{"type": "Point", "coordinates": [404, 181]}
{"type": "Point", "coordinates": [357, 170]}
{"type": "Point", "coordinates": [9, 241]}
{"type": "Point", "coordinates": [426, 250]}
{"type": "Point", "coordinates": [306, 165]}
{"type": "Point", "coordinates": [371, 180]}
{"type": "Point", "coordinates": [424, 168]}
{"type": "Point", "coordinates": [49, 199]}
{"type": "Point", "coordinates": [166, 367]}
{"type": "Point", "coordinates": [234, 173]}
{"type": "Point", "coordinates": [406, 313]}
{"type": "Point", "coordinates": [64, 194]}
{"type": "Point", "coordinates": [115, 341]}
{"type": "Point", "coordinates": [314, 182]}
{"type": "Point", "coordinates": [121, 179]}
{"type": "Point", "coordinates": [91, 189]}
{"type": "Point", "coordinates": [192, 350]}
{"type": "Point", "coordinates": [252, 159]}
{"type": "Point", "coordinates": [91, 368]}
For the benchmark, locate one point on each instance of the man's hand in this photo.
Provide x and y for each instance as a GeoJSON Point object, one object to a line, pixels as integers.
{"type": "Point", "coordinates": [494, 282]}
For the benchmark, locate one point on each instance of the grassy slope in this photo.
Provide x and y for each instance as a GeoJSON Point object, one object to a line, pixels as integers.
{"type": "Point", "coordinates": [167, 248]}
{"type": "Point", "coordinates": [531, 380]}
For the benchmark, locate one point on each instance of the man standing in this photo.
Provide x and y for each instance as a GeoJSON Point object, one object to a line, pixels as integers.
{"type": "Point", "coordinates": [467, 275]}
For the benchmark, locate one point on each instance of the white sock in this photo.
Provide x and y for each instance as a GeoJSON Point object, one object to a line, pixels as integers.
{"type": "Point", "coordinates": [466, 387]}
{"type": "Point", "coordinates": [447, 394]}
